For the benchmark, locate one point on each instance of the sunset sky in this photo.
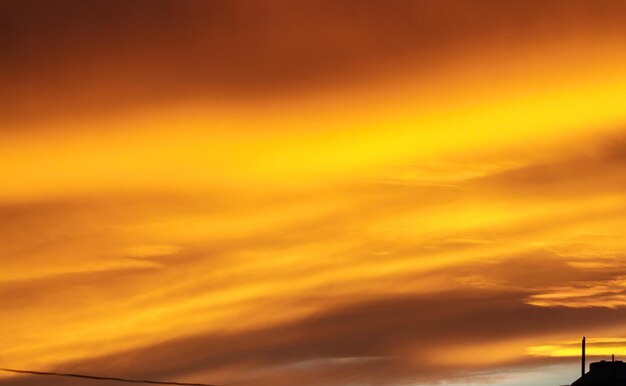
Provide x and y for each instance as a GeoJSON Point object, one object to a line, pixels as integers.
{"type": "Point", "coordinates": [331, 192]}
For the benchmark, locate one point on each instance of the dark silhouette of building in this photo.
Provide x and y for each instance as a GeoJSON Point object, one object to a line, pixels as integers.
{"type": "Point", "coordinates": [603, 373]}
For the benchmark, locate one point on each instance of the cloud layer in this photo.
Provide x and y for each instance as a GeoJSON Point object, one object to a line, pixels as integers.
{"type": "Point", "coordinates": [315, 194]}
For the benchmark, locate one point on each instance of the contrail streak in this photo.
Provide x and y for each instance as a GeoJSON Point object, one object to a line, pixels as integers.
{"type": "Point", "coordinates": [103, 378]}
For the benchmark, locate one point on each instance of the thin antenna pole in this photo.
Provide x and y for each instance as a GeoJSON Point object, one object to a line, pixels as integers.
{"type": "Point", "coordinates": [582, 369]}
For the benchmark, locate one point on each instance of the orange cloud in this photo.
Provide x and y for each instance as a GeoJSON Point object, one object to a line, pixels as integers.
{"type": "Point", "coordinates": [226, 210]}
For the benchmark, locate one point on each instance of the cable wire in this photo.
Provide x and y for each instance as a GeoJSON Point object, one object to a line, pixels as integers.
{"type": "Point", "coordinates": [100, 378]}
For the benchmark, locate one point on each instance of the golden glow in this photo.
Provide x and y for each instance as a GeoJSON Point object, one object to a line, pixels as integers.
{"type": "Point", "coordinates": [598, 347]}
{"type": "Point", "coordinates": [471, 211]}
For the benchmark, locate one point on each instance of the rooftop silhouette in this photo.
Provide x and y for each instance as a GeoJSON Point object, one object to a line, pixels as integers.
{"type": "Point", "coordinates": [603, 373]}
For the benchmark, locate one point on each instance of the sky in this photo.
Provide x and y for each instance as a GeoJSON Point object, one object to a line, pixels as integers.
{"type": "Point", "coordinates": [314, 192]}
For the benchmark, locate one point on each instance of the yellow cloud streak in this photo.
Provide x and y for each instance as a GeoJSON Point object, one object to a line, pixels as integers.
{"type": "Point", "coordinates": [206, 149]}
{"type": "Point", "coordinates": [601, 346]}
{"type": "Point", "coordinates": [216, 155]}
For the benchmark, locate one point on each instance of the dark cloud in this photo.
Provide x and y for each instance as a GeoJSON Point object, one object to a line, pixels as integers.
{"type": "Point", "coordinates": [385, 341]}
{"type": "Point", "coordinates": [75, 57]}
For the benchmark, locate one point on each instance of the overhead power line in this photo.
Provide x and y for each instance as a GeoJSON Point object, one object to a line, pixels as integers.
{"type": "Point", "coordinates": [99, 378]}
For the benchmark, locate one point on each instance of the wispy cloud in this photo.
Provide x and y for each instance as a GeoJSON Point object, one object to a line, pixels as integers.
{"type": "Point", "coordinates": [459, 221]}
